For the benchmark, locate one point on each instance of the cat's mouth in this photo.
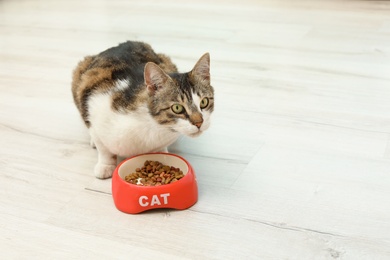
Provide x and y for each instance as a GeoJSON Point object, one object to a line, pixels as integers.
{"type": "Point", "coordinates": [198, 133]}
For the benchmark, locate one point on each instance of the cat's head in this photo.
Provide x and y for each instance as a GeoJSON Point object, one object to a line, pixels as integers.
{"type": "Point", "coordinates": [182, 102]}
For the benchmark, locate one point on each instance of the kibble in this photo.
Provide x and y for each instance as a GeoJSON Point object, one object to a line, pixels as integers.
{"type": "Point", "coordinates": [154, 173]}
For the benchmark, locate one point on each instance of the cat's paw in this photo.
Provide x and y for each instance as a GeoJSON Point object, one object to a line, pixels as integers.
{"type": "Point", "coordinates": [104, 171]}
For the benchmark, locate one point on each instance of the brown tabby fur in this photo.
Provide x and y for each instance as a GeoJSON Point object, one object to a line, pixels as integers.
{"type": "Point", "coordinates": [96, 74]}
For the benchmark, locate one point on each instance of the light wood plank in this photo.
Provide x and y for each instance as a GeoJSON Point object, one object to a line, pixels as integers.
{"type": "Point", "coordinates": [295, 166]}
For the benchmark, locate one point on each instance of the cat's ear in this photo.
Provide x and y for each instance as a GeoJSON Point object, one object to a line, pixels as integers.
{"type": "Point", "coordinates": [155, 77]}
{"type": "Point", "coordinates": [201, 70]}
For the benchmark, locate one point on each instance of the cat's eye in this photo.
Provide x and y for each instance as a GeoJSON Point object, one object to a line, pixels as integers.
{"type": "Point", "coordinates": [178, 109]}
{"type": "Point", "coordinates": [204, 103]}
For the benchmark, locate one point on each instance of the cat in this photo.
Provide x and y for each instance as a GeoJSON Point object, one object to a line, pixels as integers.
{"type": "Point", "coordinates": [135, 101]}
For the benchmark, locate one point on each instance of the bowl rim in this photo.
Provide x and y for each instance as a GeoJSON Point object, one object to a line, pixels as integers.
{"type": "Point", "coordinates": [135, 186]}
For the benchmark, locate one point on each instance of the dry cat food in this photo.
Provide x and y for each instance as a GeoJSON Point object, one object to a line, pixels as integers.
{"type": "Point", "coordinates": [154, 173]}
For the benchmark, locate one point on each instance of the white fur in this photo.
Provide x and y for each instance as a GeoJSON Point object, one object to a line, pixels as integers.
{"type": "Point", "coordinates": [196, 99]}
{"type": "Point", "coordinates": [126, 134]}
{"type": "Point", "coordinates": [122, 84]}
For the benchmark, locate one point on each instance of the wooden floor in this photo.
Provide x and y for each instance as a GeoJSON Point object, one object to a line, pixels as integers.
{"type": "Point", "coordinates": [296, 164]}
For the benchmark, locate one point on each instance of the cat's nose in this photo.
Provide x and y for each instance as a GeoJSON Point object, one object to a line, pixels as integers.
{"type": "Point", "coordinates": [198, 124]}
{"type": "Point", "coordinates": [196, 119]}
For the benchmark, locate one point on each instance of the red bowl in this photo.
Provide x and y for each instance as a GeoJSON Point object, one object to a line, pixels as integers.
{"type": "Point", "coordinates": [131, 198]}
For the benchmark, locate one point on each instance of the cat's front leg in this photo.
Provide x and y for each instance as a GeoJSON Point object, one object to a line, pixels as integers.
{"type": "Point", "coordinates": [106, 164]}
{"type": "Point", "coordinates": [106, 161]}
